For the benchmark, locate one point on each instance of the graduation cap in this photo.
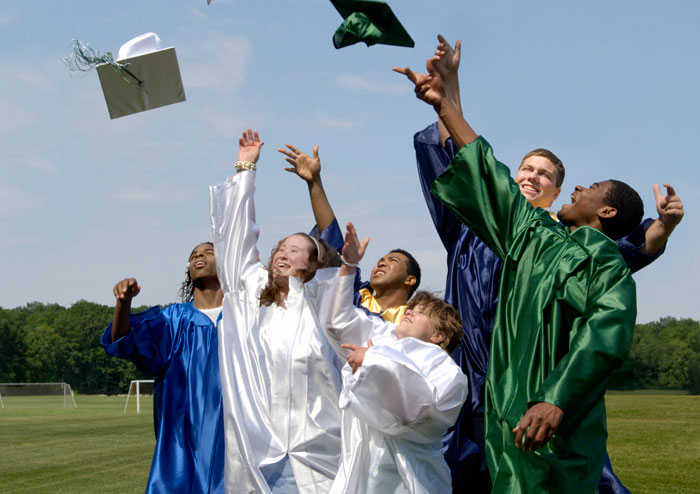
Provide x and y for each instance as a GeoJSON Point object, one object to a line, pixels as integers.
{"type": "Point", "coordinates": [143, 77]}
{"type": "Point", "coordinates": [370, 22]}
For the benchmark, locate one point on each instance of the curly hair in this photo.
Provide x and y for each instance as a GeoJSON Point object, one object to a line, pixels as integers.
{"type": "Point", "coordinates": [443, 317]}
{"type": "Point", "coordinates": [186, 291]}
{"type": "Point", "coordinates": [328, 257]}
{"type": "Point", "coordinates": [630, 210]}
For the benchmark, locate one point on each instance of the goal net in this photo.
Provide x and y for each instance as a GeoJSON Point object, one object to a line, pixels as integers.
{"type": "Point", "coordinates": [60, 390]}
{"type": "Point", "coordinates": [138, 389]}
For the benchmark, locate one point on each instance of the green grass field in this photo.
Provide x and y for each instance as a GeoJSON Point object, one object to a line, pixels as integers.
{"type": "Point", "coordinates": [654, 443]}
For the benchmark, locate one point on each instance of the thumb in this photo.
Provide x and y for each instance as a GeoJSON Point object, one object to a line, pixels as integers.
{"type": "Point", "coordinates": [316, 151]}
{"type": "Point", "coordinates": [369, 343]}
{"type": "Point", "coordinates": [349, 346]}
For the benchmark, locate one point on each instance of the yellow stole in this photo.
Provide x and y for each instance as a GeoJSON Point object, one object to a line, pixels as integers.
{"type": "Point", "coordinates": [392, 314]}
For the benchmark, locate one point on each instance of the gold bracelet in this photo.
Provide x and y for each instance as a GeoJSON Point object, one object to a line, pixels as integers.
{"type": "Point", "coordinates": [245, 165]}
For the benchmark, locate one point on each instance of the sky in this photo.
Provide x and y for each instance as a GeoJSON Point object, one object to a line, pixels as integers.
{"type": "Point", "coordinates": [610, 87]}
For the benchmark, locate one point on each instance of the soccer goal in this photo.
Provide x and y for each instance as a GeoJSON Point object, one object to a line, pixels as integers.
{"type": "Point", "coordinates": [137, 388]}
{"type": "Point", "coordinates": [38, 389]}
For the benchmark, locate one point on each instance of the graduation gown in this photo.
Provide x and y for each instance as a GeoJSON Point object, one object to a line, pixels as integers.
{"type": "Point", "coordinates": [396, 407]}
{"type": "Point", "coordinates": [178, 345]}
{"type": "Point", "coordinates": [473, 280]}
{"type": "Point", "coordinates": [280, 376]}
{"type": "Point", "coordinates": [564, 323]}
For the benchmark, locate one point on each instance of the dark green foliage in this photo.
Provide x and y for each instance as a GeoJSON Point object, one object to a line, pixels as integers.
{"type": "Point", "coordinates": [49, 343]}
{"type": "Point", "coordinates": [664, 355]}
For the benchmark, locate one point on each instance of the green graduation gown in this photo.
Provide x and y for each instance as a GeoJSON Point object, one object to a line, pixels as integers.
{"type": "Point", "coordinates": [564, 323]}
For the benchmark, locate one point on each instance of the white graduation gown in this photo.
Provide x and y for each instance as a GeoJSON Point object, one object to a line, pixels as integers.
{"type": "Point", "coordinates": [280, 376]}
{"type": "Point", "coordinates": [396, 408]}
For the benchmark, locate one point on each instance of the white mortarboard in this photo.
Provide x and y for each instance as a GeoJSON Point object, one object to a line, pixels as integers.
{"type": "Point", "coordinates": [149, 77]}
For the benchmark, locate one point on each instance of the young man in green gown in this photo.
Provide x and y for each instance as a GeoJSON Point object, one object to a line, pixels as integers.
{"type": "Point", "coordinates": [565, 316]}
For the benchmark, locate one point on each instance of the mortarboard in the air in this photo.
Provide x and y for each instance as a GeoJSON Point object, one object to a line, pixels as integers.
{"type": "Point", "coordinates": [370, 22]}
{"type": "Point", "coordinates": [143, 77]}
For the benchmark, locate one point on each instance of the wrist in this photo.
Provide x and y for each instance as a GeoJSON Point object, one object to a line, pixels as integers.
{"type": "Point", "coordinates": [245, 165]}
{"type": "Point", "coordinates": [349, 262]}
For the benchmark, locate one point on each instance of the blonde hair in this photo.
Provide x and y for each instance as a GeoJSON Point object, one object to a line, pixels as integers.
{"type": "Point", "coordinates": [443, 317]}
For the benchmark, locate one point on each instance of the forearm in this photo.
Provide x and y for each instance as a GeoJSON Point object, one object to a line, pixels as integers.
{"type": "Point", "coordinates": [655, 237]}
{"type": "Point", "coordinates": [458, 128]}
{"type": "Point", "coordinates": [452, 93]}
{"type": "Point", "coordinates": [321, 207]}
{"type": "Point", "coordinates": [120, 322]}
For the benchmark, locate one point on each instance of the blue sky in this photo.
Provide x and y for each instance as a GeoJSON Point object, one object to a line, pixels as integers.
{"type": "Point", "coordinates": [612, 88]}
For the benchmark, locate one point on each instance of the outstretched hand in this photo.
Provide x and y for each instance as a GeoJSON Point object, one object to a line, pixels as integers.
{"type": "Point", "coordinates": [669, 207]}
{"type": "Point", "coordinates": [357, 354]}
{"type": "Point", "coordinates": [538, 425]}
{"type": "Point", "coordinates": [428, 87]}
{"type": "Point", "coordinates": [306, 167]}
{"type": "Point", "coordinates": [446, 59]}
{"type": "Point", "coordinates": [353, 249]}
{"type": "Point", "coordinates": [249, 146]}
{"type": "Point", "coordinates": [126, 289]}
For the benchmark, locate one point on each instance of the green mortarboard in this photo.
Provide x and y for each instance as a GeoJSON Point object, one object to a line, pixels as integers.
{"type": "Point", "coordinates": [150, 77]}
{"type": "Point", "coordinates": [370, 22]}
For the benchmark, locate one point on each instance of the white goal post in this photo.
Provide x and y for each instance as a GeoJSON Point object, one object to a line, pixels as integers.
{"type": "Point", "coordinates": [38, 389]}
{"type": "Point", "coordinates": [137, 384]}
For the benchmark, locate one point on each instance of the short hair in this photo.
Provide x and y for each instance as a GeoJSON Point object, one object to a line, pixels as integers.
{"type": "Point", "coordinates": [443, 317]}
{"type": "Point", "coordinates": [629, 206]}
{"type": "Point", "coordinates": [546, 153]}
{"type": "Point", "coordinates": [412, 269]}
{"type": "Point", "coordinates": [186, 291]}
{"type": "Point", "coordinates": [328, 257]}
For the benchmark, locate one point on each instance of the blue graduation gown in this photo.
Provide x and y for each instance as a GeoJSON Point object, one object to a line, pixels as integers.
{"type": "Point", "coordinates": [178, 345]}
{"type": "Point", "coordinates": [473, 280]}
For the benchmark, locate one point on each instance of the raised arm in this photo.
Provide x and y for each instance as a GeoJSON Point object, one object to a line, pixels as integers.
{"type": "Point", "coordinates": [308, 168]}
{"type": "Point", "coordinates": [233, 216]}
{"type": "Point", "coordinates": [430, 89]}
{"type": "Point", "coordinates": [123, 291]}
{"type": "Point", "coordinates": [446, 63]}
{"type": "Point", "coordinates": [670, 210]}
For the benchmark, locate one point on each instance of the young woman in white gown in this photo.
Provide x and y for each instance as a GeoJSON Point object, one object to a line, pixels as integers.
{"type": "Point", "coordinates": [280, 375]}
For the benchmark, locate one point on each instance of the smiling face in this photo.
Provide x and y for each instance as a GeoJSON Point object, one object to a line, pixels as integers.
{"type": "Point", "coordinates": [587, 206]}
{"type": "Point", "coordinates": [537, 177]}
{"type": "Point", "coordinates": [202, 263]}
{"type": "Point", "coordinates": [391, 271]}
{"type": "Point", "coordinates": [291, 256]}
{"type": "Point", "coordinates": [415, 323]}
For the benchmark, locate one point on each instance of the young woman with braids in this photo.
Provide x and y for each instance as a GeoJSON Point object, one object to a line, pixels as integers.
{"type": "Point", "coordinates": [178, 345]}
{"type": "Point", "coordinates": [280, 375]}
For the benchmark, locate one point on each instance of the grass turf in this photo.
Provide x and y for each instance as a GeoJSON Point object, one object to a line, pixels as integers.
{"type": "Point", "coordinates": [92, 448]}
{"type": "Point", "coordinates": [654, 443]}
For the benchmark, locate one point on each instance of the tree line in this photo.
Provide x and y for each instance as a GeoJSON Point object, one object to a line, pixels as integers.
{"type": "Point", "coordinates": [49, 343]}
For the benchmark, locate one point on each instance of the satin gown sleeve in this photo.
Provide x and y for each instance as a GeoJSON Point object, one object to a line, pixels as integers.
{"type": "Point", "coordinates": [235, 232]}
{"type": "Point", "coordinates": [394, 391]}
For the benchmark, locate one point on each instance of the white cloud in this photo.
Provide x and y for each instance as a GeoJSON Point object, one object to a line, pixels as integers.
{"type": "Point", "coordinates": [6, 19]}
{"type": "Point", "coordinates": [354, 82]}
{"type": "Point", "coordinates": [224, 65]}
{"type": "Point", "coordinates": [15, 116]}
{"type": "Point", "coordinates": [40, 163]}
{"type": "Point", "coordinates": [336, 122]}
{"type": "Point", "coordinates": [223, 124]}
{"type": "Point", "coordinates": [15, 201]}
{"type": "Point", "coordinates": [34, 78]}
{"type": "Point", "coordinates": [157, 193]}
